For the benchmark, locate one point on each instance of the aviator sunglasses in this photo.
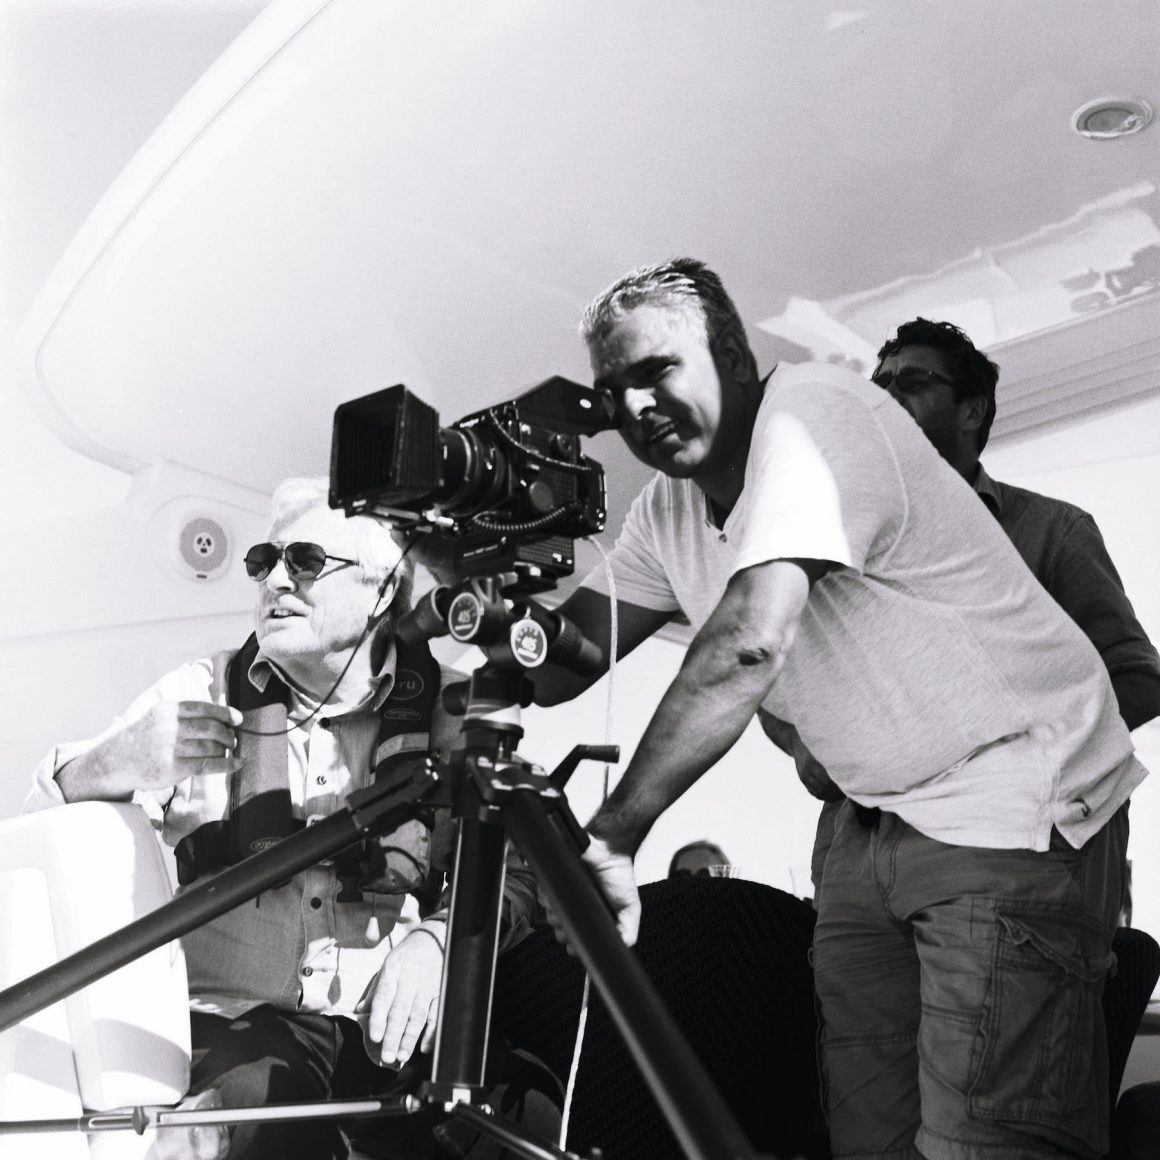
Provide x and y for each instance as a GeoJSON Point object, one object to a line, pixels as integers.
{"type": "Point", "coordinates": [304, 561]}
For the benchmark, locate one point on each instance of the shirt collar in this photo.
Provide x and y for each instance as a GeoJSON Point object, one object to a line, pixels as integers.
{"type": "Point", "coordinates": [988, 492]}
{"type": "Point", "coordinates": [706, 505]}
{"type": "Point", "coordinates": [262, 669]}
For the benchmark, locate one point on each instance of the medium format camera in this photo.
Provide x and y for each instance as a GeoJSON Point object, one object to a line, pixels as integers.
{"type": "Point", "coordinates": [508, 485]}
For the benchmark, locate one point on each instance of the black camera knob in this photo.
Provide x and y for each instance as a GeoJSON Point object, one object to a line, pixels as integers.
{"type": "Point", "coordinates": [541, 497]}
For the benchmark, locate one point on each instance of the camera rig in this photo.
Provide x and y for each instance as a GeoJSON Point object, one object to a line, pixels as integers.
{"type": "Point", "coordinates": [508, 486]}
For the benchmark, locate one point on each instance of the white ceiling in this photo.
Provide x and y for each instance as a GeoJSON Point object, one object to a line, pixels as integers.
{"type": "Point", "coordinates": [214, 231]}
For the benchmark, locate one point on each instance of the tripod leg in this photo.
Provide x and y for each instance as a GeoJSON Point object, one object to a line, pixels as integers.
{"type": "Point", "coordinates": [469, 961]}
{"type": "Point", "coordinates": [698, 1116]}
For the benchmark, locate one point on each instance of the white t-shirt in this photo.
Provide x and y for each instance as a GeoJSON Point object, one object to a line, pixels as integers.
{"type": "Point", "coordinates": [932, 675]}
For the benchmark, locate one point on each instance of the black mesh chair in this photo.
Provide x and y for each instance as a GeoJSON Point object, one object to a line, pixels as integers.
{"type": "Point", "coordinates": [1136, 1118]}
{"type": "Point", "coordinates": [1126, 995]}
{"type": "Point", "coordinates": [729, 958]}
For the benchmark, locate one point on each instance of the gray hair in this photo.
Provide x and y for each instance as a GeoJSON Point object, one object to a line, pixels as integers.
{"type": "Point", "coordinates": [378, 554]}
{"type": "Point", "coordinates": [683, 283]}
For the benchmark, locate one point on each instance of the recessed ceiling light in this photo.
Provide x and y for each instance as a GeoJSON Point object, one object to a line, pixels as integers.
{"type": "Point", "coordinates": [1111, 117]}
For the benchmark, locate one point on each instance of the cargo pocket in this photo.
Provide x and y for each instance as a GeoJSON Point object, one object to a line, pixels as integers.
{"type": "Point", "coordinates": [1037, 1059]}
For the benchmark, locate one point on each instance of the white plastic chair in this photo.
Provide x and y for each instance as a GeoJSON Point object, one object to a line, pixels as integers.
{"type": "Point", "coordinates": [69, 876]}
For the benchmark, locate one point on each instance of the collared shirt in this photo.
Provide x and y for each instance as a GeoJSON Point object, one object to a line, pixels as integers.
{"type": "Point", "coordinates": [295, 946]}
{"type": "Point", "coordinates": [931, 674]}
{"type": "Point", "coordinates": [1062, 546]}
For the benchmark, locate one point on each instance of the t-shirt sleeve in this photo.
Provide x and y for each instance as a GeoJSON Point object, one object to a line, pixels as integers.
{"type": "Point", "coordinates": [635, 559]}
{"type": "Point", "coordinates": [822, 481]}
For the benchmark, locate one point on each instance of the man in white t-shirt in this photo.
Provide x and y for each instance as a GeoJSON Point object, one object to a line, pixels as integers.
{"type": "Point", "coordinates": [840, 576]}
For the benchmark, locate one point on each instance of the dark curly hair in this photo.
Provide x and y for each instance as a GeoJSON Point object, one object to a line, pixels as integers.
{"type": "Point", "coordinates": [973, 372]}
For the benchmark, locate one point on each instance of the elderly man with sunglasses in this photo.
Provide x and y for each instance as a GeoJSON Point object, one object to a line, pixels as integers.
{"type": "Point", "coordinates": [234, 751]}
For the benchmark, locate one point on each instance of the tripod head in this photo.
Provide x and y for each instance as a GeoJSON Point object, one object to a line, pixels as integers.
{"type": "Point", "coordinates": [514, 632]}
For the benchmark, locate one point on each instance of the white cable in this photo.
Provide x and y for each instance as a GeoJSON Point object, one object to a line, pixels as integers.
{"type": "Point", "coordinates": [613, 641]}
{"type": "Point", "coordinates": [574, 1070]}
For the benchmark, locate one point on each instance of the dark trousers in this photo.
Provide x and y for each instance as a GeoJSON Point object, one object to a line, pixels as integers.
{"type": "Point", "coordinates": [268, 1056]}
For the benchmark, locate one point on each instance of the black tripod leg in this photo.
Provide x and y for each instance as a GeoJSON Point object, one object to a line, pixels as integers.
{"type": "Point", "coordinates": [698, 1116]}
{"type": "Point", "coordinates": [457, 1070]}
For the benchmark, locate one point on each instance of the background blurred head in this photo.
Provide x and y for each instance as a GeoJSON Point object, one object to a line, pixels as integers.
{"type": "Point", "coordinates": [695, 859]}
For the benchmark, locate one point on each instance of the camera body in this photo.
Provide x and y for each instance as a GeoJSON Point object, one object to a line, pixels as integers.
{"type": "Point", "coordinates": [508, 486]}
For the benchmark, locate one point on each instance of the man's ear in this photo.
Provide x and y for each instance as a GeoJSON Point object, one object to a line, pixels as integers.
{"type": "Point", "coordinates": [972, 412]}
{"type": "Point", "coordinates": [733, 351]}
{"type": "Point", "coordinates": [384, 600]}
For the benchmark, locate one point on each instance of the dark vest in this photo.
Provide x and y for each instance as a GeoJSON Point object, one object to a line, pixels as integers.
{"type": "Point", "coordinates": [260, 812]}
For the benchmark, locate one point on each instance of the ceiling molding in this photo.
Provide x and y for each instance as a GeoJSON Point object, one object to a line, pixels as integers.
{"type": "Point", "coordinates": [1078, 369]}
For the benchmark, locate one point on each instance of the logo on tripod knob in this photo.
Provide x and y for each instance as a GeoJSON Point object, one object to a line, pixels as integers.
{"type": "Point", "coordinates": [529, 643]}
{"type": "Point", "coordinates": [464, 616]}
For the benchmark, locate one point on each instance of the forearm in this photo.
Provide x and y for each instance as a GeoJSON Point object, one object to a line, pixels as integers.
{"type": "Point", "coordinates": [1138, 696]}
{"type": "Point", "coordinates": [727, 673]}
{"type": "Point", "coordinates": [97, 775]}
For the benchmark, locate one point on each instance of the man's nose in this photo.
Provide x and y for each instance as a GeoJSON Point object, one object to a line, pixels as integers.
{"type": "Point", "coordinates": [635, 402]}
{"type": "Point", "coordinates": [279, 580]}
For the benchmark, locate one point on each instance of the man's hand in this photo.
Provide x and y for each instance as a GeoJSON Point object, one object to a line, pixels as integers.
{"type": "Point", "coordinates": [435, 552]}
{"type": "Point", "coordinates": [617, 881]}
{"type": "Point", "coordinates": [174, 740]}
{"type": "Point", "coordinates": [404, 999]}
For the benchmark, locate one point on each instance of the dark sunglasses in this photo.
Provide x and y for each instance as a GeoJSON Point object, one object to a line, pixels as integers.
{"type": "Point", "coordinates": [910, 380]}
{"type": "Point", "coordinates": [304, 561]}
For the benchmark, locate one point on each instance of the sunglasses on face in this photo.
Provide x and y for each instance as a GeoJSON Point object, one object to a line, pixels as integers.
{"type": "Point", "coordinates": [910, 380]}
{"type": "Point", "coordinates": [304, 561]}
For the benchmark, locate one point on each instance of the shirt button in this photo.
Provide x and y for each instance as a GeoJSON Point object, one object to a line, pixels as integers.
{"type": "Point", "coordinates": [723, 538]}
{"type": "Point", "coordinates": [315, 903]}
{"type": "Point", "coordinates": [307, 972]}
{"type": "Point", "coordinates": [320, 779]}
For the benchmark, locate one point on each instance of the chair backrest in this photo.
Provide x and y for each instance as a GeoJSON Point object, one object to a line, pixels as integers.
{"type": "Point", "coordinates": [1126, 995]}
{"type": "Point", "coordinates": [730, 960]}
{"type": "Point", "coordinates": [68, 877]}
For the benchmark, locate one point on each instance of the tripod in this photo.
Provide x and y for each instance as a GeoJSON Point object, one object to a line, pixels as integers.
{"type": "Point", "coordinates": [494, 794]}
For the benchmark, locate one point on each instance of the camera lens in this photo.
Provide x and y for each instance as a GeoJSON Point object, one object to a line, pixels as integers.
{"type": "Point", "coordinates": [476, 471]}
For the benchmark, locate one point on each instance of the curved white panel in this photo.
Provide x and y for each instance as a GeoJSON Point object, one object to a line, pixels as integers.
{"type": "Point", "coordinates": [363, 192]}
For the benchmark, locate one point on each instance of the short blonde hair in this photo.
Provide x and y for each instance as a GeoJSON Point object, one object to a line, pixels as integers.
{"type": "Point", "coordinates": [680, 284]}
